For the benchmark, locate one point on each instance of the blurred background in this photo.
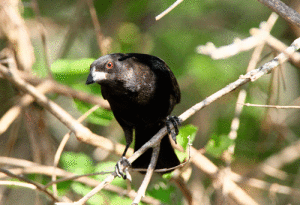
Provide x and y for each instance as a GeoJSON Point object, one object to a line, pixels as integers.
{"type": "Point", "coordinates": [129, 26]}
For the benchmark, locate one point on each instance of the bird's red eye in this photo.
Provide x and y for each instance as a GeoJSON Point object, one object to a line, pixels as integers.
{"type": "Point", "coordinates": [109, 65]}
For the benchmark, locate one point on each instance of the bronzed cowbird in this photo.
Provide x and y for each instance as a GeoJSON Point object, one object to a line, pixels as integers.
{"type": "Point", "coordinates": [142, 92]}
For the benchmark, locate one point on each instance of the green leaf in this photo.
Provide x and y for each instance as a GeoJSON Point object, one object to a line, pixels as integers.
{"type": "Point", "coordinates": [218, 144]}
{"type": "Point", "coordinates": [70, 71]}
{"type": "Point", "coordinates": [185, 132]}
{"type": "Point", "coordinates": [99, 117]}
{"type": "Point", "coordinates": [78, 163]}
{"type": "Point", "coordinates": [162, 191]}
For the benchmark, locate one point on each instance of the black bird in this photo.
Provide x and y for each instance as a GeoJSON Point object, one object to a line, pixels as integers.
{"type": "Point", "coordinates": [142, 92]}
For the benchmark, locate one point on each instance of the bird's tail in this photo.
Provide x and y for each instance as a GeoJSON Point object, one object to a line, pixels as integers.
{"type": "Point", "coordinates": [167, 157]}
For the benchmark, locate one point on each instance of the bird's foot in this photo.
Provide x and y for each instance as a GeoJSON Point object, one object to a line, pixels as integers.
{"type": "Point", "coordinates": [121, 168]}
{"type": "Point", "coordinates": [176, 122]}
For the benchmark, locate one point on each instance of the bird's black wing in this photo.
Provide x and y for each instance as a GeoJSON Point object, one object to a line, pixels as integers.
{"type": "Point", "coordinates": [161, 69]}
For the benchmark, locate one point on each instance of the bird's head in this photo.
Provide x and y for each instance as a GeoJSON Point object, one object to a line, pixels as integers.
{"type": "Point", "coordinates": [122, 71]}
{"type": "Point", "coordinates": [105, 69]}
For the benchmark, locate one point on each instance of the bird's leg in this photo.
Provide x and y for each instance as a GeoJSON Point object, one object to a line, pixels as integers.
{"type": "Point", "coordinates": [122, 165]}
{"type": "Point", "coordinates": [176, 122]}
{"type": "Point", "coordinates": [121, 168]}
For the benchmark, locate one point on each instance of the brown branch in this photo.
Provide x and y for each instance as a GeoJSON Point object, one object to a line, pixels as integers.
{"type": "Point", "coordinates": [289, 14]}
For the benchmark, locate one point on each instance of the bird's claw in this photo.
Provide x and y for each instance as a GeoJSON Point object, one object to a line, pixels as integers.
{"type": "Point", "coordinates": [176, 122]}
{"type": "Point", "coordinates": [121, 168]}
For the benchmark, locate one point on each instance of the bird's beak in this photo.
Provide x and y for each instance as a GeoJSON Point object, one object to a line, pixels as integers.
{"type": "Point", "coordinates": [90, 80]}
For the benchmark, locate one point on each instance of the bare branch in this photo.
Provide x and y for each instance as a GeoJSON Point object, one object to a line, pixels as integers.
{"type": "Point", "coordinates": [289, 14]}
{"type": "Point", "coordinates": [257, 39]}
{"type": "Point", "coordinates": [168, 10]}
{"type": "Point", "coordinates": [230, 50]}
{"type": "Point", "coordinates": [272, 106]}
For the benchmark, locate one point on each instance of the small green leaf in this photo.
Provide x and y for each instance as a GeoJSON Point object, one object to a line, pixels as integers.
{"type": "Point", "coordinates": [218, 144]}
{"type": "Point", "coordinates": [163, 191]}
{"type": "Point", "coordinates": [70, 71]}
{"type": "Point", "coordinates": [185, 132]}
{"type": "Point", "coordinates": [78, 163]}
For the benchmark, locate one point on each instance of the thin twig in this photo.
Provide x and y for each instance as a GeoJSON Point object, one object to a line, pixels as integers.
{"type": "Point", "coordinates": [272, 106]}
{"type": "Point", "coordinates": [168, 10]}
{"type": "Point", "coordinates": [103, 43]}
{"type": "Point", "coordinates": [38, 186]}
